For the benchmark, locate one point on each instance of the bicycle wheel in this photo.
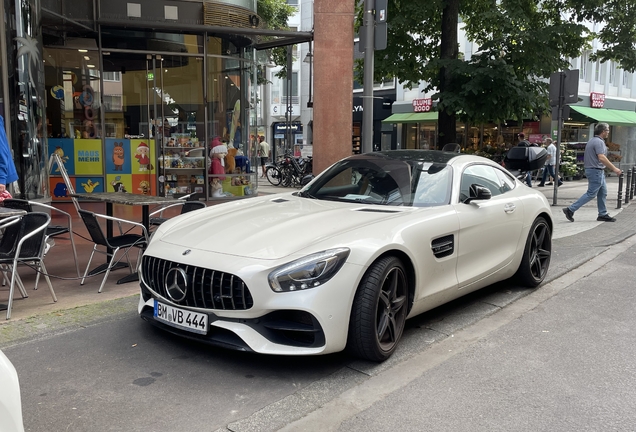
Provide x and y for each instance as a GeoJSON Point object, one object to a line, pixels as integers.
{"type": "Point", "coordinates": [286, 174]}
{"type": "Point", "coordinates": [273, 175]}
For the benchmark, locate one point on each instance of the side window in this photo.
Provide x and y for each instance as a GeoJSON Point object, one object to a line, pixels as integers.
{"type": "Point", "coordinates": [507, 181]}
{"type": "Point", "coordinates": [483, 175]}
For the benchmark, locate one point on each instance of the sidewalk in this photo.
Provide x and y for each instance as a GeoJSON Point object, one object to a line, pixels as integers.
{"type": "Point", "coordinates": [71, 295]}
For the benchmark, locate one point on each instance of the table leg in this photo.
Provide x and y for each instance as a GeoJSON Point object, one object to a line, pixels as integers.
{"type": "Point", "coordinates": [145, 220]}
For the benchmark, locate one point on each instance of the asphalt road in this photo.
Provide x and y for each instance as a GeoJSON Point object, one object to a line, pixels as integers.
{"type": "Point", "coordinates": [125, 375]}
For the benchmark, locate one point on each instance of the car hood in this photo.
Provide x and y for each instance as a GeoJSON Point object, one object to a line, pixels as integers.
{"type": "Point", "coordinates": [271, 228]}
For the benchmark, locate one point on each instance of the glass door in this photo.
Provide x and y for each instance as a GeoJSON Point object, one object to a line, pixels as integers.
{"type": "Point", "coordinates": [155, 123]}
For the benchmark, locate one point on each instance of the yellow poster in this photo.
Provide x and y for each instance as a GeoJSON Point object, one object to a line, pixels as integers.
{"type": "Point", "coordinates": [143, 155]}
{"type": "Point", "coordinates": [89, 157]}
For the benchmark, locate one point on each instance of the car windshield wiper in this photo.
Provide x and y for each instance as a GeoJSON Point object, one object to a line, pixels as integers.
{"type": "Point", "coordinates": [305, 194]}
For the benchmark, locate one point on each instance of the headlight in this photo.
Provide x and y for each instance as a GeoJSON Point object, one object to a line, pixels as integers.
{"type": "Point", "coordinates": [308, 272]}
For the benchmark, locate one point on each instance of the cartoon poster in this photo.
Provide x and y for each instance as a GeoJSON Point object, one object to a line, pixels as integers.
{"type": "Point", "coordinates": [143, 185]}
{"type": "Point", "coordinates": [88, 157]}
{"type": "Point", "coordinates": [118, 156]}
{"type": "Point", "coordinates": [143, 153]}
{"type": "Point", "coordinates": [59, 191]}
{"type": "Point", "coordinates": [65, 148]}
{"type": "Point", "coordinates": [119, 183]}
{"type": "Point", "coordinates": [89, 184]}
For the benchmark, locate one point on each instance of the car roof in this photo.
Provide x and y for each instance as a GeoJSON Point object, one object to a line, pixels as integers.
{"type": "Point", "coordinates": [433, 156]}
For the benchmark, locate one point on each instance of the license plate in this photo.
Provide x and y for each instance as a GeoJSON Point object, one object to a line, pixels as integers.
{"type": "Point", "coordinates": [181, 318]}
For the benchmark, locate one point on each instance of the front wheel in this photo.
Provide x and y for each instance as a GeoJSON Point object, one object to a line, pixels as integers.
{"type": "Point", "coordinates": [273, 175]}
{"type": "Point", "coordinates": [379, 310]}
{"type": "Point", "coordinates": [536, 255]}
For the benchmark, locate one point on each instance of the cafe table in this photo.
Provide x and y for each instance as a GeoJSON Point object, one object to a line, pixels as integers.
{"type": "Point", "coordinates": [5, 213]}
{"type": "Point", "coordinates": [124, 198]}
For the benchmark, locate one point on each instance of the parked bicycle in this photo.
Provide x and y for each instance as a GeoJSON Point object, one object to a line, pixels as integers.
{"type": "Point", "coordinates": [289, 170]}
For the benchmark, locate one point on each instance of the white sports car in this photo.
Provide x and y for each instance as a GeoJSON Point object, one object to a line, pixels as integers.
{"type": "Point", "coordinates": [10, 403]}
{"type": "Point", "coordinates": [373, 240]}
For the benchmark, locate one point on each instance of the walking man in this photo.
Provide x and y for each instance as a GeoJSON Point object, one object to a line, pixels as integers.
{"type": "Point", "coordinates": [595, 163]}
{"type": "Point", "coordinates": [263, 152]}
{"type": "Point", "coordinates": [548, 168]}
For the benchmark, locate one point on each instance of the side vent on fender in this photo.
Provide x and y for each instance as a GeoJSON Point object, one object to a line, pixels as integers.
{"type": "Point", "coordinates": [443, 246]}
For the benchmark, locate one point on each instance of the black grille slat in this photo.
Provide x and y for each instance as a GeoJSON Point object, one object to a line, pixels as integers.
{"type": "Point", "coordinates": [209, 289]}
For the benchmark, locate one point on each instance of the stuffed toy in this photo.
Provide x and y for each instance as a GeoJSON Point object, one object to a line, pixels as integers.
{"type": "Point", "coordinates": [230, 162]}
{"type": "Point", "coordinates": [217, 154]}
{"type": "Point", "coordinates": [217, 188]}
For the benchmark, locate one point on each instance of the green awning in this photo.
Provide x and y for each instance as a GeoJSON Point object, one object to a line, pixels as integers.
{"type": "Point", "coordinates": [411, 117]}
{"type": "Point", "coordinates": [610, 116]}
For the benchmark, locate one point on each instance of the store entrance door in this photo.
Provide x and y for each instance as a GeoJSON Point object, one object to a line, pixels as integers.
{"type": "Point", "coordinates": [156, 107]}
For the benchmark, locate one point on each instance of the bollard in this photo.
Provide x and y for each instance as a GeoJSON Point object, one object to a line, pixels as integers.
{"type": "Point", "coordinates": [631, 193]}
{"type": "Point", "coordinates": [620, 191]}
{"type": "Point", "coordinates": [628, 186]}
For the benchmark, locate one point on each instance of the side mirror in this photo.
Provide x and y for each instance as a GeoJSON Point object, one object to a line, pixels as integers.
{"type": "Point", "coordinates": [477, 192]}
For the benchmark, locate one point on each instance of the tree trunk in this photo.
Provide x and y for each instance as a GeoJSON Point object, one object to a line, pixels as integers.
{"type": "Point", "coordinates": [448, 51]}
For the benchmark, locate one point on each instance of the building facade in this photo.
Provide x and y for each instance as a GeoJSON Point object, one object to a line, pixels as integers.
{"type": "Point", "coordinates": [133, 95]}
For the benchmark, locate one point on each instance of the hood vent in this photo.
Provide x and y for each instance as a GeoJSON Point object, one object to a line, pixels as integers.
{"type": "Point", "coordinates": [279, 200]}
{"type": "Point", "coordinates": [378, 210]}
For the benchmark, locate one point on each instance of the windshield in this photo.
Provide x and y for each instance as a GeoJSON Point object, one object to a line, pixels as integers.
{"type": "Point", "coordinates": [383, 181]}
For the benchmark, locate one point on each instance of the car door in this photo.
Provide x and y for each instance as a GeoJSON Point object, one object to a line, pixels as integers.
{"type": "Point", "coordinates": [489, 230]}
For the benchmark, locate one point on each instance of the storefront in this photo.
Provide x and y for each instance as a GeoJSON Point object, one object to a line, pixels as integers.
{"type": "Point", "coordinates": [383, 133]}
{"type": "Point", "coordinates": [155, 97]}
{"type": "Point", "coordinates": [287, 138]}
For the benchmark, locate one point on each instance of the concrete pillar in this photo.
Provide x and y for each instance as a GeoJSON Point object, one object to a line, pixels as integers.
{"type": "Point", "coordinates": [333, 81]}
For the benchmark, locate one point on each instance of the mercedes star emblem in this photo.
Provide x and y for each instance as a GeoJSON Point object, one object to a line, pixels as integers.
{"type": "Point", "coordinates": [187, 251]}
{"type": "Point", "coordinates": [176, 284]}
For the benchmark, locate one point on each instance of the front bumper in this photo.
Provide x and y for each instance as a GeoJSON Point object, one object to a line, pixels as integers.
{"type": "Point", "coordinates": [313, 321]}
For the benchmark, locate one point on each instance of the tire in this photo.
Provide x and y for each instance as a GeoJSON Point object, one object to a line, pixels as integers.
{"type": "Point", "coordinates": [273, 175]}
{"type": "Point", "coordinates": [379, 311]}
{"type": "Point", "coordinates": [536, 255]}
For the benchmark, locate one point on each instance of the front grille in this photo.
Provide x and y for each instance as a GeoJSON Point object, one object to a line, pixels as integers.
{"type": "Point", "coordinates": [207, 289]}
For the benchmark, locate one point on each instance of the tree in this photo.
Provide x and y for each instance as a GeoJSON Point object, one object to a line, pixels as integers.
{"type": "Point", "coordinates": [276, 14]}
{"type": "Point", "coordinates": [519, 44]}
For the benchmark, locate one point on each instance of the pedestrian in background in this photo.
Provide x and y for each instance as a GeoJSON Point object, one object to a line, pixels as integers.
{"type": "Point", "coordinates": [548, 168]}
{"type": "Point", "coordinates": [8, 173]}
{"type": "Point", "coordinates": [523, 143]}
{"type": "Point", "coordinates": [263, 152]}
{"type": "Point", "coordinates": [595, 163]}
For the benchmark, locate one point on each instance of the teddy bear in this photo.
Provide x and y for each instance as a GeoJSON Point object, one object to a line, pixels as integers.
{"type": "Point", "coordinates": [230, 162]}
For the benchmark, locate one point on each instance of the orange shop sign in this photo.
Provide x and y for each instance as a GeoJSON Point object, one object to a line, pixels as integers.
{"type": "Point", "coordinates": [597, 100]}
{"type": "Point", "coordinates": [422, 105]}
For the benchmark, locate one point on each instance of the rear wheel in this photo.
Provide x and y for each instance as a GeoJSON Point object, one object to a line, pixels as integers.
{"type": "Point", "coordinates": [273, 175]}
{"type": "Point", "coordinates": [379, 310]}
{"type": "Point", "coordinates": [536, 256]}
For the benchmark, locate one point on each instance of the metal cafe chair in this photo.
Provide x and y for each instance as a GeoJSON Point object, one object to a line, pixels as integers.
{"type": "Point", "coordinates": [51, 230]}
{"type": "Point", "coordinates": [156, 217]}
{"type": "Point", "coordinates": [24, 242]}
{"type": "Point", "coordinates": [124, 241]}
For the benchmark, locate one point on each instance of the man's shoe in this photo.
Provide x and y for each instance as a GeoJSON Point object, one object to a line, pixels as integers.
{"type": "Point", "coordinates": [606, 218]}
{"type": "Point", "coordinates": [540, 185]}
{"type": "Point", "coordinates": [550, 184]}
{"type": "Point", "coordinates": [560, 182]}
{"type": "Point", "coordinates": [569, 214]}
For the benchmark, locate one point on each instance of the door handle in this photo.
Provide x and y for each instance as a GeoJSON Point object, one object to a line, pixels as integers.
{"type": "Point", "coordinates": [510, 208]}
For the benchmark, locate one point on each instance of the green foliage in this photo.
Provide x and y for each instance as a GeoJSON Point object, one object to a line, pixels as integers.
{"type": "Point", "coordinates": [276, 14]}
{"type": "Point", "coordinates": [517, 45]}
